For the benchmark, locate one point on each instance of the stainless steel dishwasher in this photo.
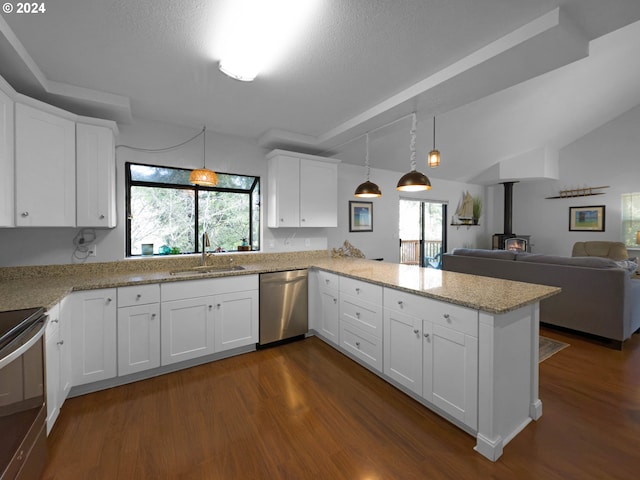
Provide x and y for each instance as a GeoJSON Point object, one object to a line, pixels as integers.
{"type": "Point", "coordinates": [283, 306]}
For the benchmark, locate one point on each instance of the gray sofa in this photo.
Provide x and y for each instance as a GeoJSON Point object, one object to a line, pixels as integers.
{"type": "Point", "coordinates": [598, 297]}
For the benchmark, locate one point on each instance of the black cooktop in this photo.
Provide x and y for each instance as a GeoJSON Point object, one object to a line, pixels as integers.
{"type": "Point", "coordinates": [14, 322]}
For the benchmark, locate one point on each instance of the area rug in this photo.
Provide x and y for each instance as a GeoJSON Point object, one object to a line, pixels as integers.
{"type": "Point", "coordinates": [548, 347]}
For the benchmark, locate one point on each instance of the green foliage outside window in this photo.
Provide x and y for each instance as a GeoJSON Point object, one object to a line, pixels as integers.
{"type": "Point", "coordinates": [163, 211]}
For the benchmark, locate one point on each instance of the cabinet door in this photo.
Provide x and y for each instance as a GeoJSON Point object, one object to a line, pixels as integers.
{"type": "Point", "coordinates": [450, 365]}
{"type": "Point", "coordinates": [95, 176]}
{"type": "Point", "coordinates": [236, 320]}
{"type": "Point", "coordinates": [403, 349]}
{"type": "Point", "coordinates": [186, 329]}
{"type": "Point", "coordinates": [64, 343]}
{"type": "Point", "coordinates": [7, 210]}
{"type": "Point", "coordinates": [45, 152]}
{"type": "Point", "coordinates": [93, 332]}
{"type": "Point", "coordinates": [284, 192]}
{"type": "Point", "coordinates": [329, 316]}
{"type": "Point", "coordinates": [318, 194]}
{"type": "Point", "coordinates": [138, 338]}
{"type": "Point", "coordinates": [52, 359]}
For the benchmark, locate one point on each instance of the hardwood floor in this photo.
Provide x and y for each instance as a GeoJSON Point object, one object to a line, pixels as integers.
{"type": "Point", "coordinates": [305, 411]}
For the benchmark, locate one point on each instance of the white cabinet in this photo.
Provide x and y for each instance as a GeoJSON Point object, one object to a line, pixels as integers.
{"type": "Point", "coordinates": [302, 190]}
{"type": "Point", "coordinates": [431, 348]}
{"type": "Point", "coordinates": [236, 319]}
{"type": "Point", "coordinates": [7, 210]}
{"type": "Point", "coordinates": [138, 328]}
{"type": "Point", "coordinates": [95, 176]}
{"type": "Point", "coordinates": [403, 349]}
{"type": "Point", "coordinates": [361, 321]}
{"type": "Point", "coordinates": [324, 307]}
{"type": "Point", "coordinates": [195, 312]}
{"type": "Point", "coordinates": [93, 335]}
{"type": "Point", "coordinates": [45, 162]}
{"type": "Point", "coordinates": [58, 362]}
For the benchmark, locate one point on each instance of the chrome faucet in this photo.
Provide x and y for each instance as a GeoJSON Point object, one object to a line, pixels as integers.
{"type": "Point", "coordinates": [205, 243]}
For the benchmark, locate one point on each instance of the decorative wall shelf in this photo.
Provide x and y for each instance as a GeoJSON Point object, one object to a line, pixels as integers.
{"type": "Point", "coordinates": [579, 192]}
{"type": "Point", "coordinates": [458, 225]}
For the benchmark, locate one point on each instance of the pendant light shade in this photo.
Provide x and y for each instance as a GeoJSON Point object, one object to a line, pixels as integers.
{"type": "Point", "coordinates": [433, 160]}
{"type": "Point", "coordinates": [638, 237]}
{"type": "Point", "coordinates": [203, 176]}
{"type": "Point", "coordinates": [413, 181]}
{"type": "Point", "coordinates": [367, 189]}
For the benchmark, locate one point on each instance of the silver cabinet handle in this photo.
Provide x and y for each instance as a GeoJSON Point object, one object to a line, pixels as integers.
{"type": "Point", "coordinates": [446, 315]}
{"type": "Point", "coordinates": [401, 303]}
{"type": "Point", "coordinates": [101, 217]}
{"type": "Point", "coordinates": [426, 335]}
{"type": "Point", "coordinates": [61, 342]}
{"type": "Point", "coordinates": [25, 214]}
{"type": "Point", "coordinates": [326, 281]}
{"type": "Point", "coordinates": [108, 300]}
{"type": "Point", "coordinates": [303, 219]}
{"type": "Point", "coordinates": [153, 315]}
{"type": "Point", "coordinates": [335, 300]}
{"type": "Point", "coordinates": [358, 345]}
{"type": "Point", "coordinates": [138, 297]}
{"type": "Point", "coordinates": [55, 320]}
{"type": "Point", "coordinates": [358, 291]}
{"type": "Point", "coordinates": [357, 314]}
{"type": "Point", "coordinates": [210, 307]}
{"type": "Point", "coordinates": [416, 331]}
{"type": "Point", "coordinates": [218, 305]}
{"type": "Point", "coordinates": [282, 219]}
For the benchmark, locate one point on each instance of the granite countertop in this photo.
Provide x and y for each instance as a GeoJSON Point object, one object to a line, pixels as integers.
{"type": "Point", "coordinates": [26, 287]}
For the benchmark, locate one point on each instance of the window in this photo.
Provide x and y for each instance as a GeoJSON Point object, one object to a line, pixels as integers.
{"type": "Point", "coordinates": [165, 210]}
{"type": "Point", "coordinates": [630, 218]}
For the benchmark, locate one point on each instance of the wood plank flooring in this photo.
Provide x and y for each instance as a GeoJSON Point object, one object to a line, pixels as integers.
{"type": "Point", "coordinates": [305, 411]}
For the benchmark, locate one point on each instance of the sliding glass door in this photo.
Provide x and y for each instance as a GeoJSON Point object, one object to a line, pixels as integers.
{"type": "Point", "coordinates": [422, 232]}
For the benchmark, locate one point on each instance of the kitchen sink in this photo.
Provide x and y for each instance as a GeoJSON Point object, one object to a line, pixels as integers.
{"type": "Point", "coordinates": [207, 269]}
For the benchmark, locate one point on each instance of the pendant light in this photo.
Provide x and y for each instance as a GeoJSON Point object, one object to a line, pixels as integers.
{"type": "Point", "coordinates": [413, 181]}
{"type": "Point", "coordinates": [367, 189]}
{"type": "Point", "coordinates": [203, 176]}
{"type": "Point", "coordinates": [433, 160]}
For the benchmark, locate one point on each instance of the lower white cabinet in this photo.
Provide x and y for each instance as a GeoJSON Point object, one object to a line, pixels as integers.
{"type": "Point", "coordinates": [403, 349]}
{"type": "Point", "coordinates": [138, 328]}
{"type": "Point", "coordinates": [223, 314]}
{"type": "Point", "coordinates": [187, 329]}
{"type": "Point", "coordinates": [138, 338]}
{"type": "Point", "coordinates": [93, 335]}
{"type": "Point", "coordinates": [324, 307]}
{"type": "Point", "coordinates": [236, 318]}
{"type": "Point", "coordinates": [57, 361]}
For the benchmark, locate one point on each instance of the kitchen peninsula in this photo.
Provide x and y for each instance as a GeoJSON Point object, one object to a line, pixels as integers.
{"type": "Point", "coordinates": [432, 325]}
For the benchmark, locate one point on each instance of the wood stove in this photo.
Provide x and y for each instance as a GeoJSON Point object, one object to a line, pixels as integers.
{"type": "Point", "coordinates": [509, 240]}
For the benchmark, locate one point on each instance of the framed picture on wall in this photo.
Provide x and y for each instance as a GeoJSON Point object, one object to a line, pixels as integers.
{"type": "Point", "coordinates": [587, 219]}
{"type": "Point", "coordinates": [360, 216]}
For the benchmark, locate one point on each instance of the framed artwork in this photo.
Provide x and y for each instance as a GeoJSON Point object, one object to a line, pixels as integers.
{"type": "Point", "coordinates": [360, 216]}
{"type": "Point", "coordinates": [586, 219]}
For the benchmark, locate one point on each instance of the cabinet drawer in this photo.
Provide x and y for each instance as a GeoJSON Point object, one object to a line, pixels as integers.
{"type": "Point", "coordinates": [458, 318]}
{"type": "Point", "coordinates": [138, 295]}
{"type": "Point", "coordinates": [208, 286]}
{"type": "Point", "coordinates": [362, 290]}
{"type": "Point", "coordinates": [364, 315]}
{"type": "Point", "coordinates": [328, 280]}
{"type": "Point", "coordinates": [407, 303]}
{"type": "Point", "coordinates": [362, 345]}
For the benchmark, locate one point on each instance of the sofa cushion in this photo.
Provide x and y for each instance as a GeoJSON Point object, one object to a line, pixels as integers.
{"type": "Point", "coordinates": [595, 248]}
{"type": "Point", "coordinates": [591, 262]}
{"type": "Point", "coordinates": [479, 252]}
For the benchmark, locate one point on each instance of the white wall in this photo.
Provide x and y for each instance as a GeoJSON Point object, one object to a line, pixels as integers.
{"type": "Point", "coordinates": [383, 241]}
{"type": "Point", "coordinates": [608, 156]}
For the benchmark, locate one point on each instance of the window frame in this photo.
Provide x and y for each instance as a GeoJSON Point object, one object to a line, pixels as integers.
{"type": "Point", "coordinates": [129, 182]}
{"type": "Point", "coordinates": [627, 220]}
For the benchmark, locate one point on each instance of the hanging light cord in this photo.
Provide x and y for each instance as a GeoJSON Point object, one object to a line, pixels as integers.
{"type": "Point", "coordinates": [434, 133]}
{"type": "Point", "coordinates": [166, 149]}
{"type": "Point", "coordinates": [412, 145]}
{"type": "Point", "coordinates": [366, 158]}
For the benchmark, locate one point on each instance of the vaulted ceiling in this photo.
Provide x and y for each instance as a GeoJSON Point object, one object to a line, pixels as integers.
{"type": "Point", "coordinates": [503, 77]}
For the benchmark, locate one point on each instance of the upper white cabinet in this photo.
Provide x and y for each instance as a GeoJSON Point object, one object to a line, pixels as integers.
{"type": "Point", "coordinates": [302, 190]}
{"type": "Point", "coordinates": [6, 161]}
{"type": "Point", "coordinates": [95, 176]}
{"type": "Point", "coordinates": [45, 164]}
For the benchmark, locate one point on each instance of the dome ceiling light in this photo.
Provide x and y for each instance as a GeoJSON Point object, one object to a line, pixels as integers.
{"type": "Point", "coordinates": [413, 181]}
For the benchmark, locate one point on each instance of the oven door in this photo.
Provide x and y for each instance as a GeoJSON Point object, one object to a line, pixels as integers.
{"type": "Point", "coordinates": [23, 451]}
